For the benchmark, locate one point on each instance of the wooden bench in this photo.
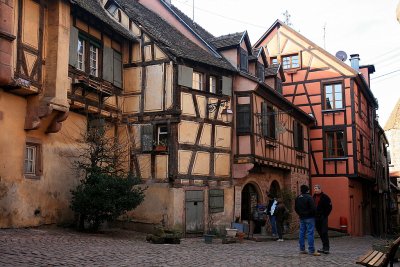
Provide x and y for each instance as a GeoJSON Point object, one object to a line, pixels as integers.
{"type": "Point", "coordinates": [377, 258]}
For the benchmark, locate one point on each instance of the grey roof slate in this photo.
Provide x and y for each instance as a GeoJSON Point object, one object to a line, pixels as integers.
{"type": "Point", "coordinates": [170, 38]}
{"type": "Point", "coordinates": [207, 36]}
{"type": "Point", "coordinates": [95, 8]}
{"type": "Point", "coordinates": [272, 70]}
{"type": "Point", "coordinates": [227, 40]}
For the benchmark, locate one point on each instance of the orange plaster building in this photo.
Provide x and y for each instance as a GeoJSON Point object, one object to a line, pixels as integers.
{"type": "Point", "coordinates": [343, 140]}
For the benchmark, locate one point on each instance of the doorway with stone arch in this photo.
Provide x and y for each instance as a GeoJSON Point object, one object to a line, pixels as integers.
{"type": "Point", "coordinates": [251, 195]}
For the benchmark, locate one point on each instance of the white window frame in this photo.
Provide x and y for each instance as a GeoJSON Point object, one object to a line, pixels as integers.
{"type": "Point", "coordinates": [30, 158]}
{"type": "Point", "coordinates": [197, 81]}
{"type": "Point", "coordinates": [81, 54]}
{"type": "Point", "coordinates": [94, 60]}
{"type": "Point", "coordinates": [160, 133]}
{"type": "Point", "coordinates": [213, 84]}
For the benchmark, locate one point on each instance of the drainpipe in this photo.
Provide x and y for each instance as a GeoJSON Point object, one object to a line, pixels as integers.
{"type": "Point", "coordinates": [355, 61]}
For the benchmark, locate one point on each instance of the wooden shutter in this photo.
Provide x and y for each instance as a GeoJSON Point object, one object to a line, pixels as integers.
{"type": "Point", "coordinates": [226, 86]}
{"type": "Point", "coordinates": [301, 136]}
{"type": "Point", "coordinates": [147, 137]}
{"type": "Point", "coordinates": [117, 69]}
{"type": "Point", "coordinates": [108, 64]}
{"type": "Point", "coordinates": [295, 135]}
{"type": "Point", "coordinates": [264, 119]}
{"type": "Point", "coordinates": [243, 60]}
{"type": "Point", "coordinates": [185, 76]}
{"type": "Point", "coordinates": [243, 118]}
{"type": "Point", "coordinates": [73, 46]}
{"type": "Point", "coordinates": [216, 200]}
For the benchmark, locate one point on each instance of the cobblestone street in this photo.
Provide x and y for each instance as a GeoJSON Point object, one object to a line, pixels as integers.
{"type": "Point", "coordinates": [59, 247]}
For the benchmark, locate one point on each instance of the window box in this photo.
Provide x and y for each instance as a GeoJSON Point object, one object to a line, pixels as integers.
{"type": "Point", "coordinates": [160, 148]}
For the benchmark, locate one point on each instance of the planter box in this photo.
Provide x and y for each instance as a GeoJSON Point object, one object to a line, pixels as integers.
{"type": "Point", "coordinates": [231, 232]}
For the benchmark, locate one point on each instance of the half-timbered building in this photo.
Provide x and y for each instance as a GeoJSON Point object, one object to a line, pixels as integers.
{"type": "Point", "coordinates": [342, 141]}
{"type": "Point", "coordinates": [177, 92]}
{"type": "Point", "coordinates": [56, 73]}
{"type": "Point", "coordinates": [271, 135]}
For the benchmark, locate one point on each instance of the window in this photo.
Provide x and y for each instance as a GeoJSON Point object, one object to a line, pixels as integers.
{"type": "Point", "coordinates": [298, 136]}
{"type": "Point", "coordinates": [81, 54]}
{"type": "Point", "coordinates": [244, 60]}
{"type": "Point", "coordinates": [290, 62]}
{"type": "Point", "coordinates": [361, 148]}
{"type": "Point", "coordinates": [216, 200]}
{"type": "Point", "coordinates": [333, 96]}
{"type": "Point", "coordinates": [32, 163]}
{"type": "Point", "coordinates": [162, 135]}
{"type": "Point", "coordinates": [243, 118]}
{"type": "Point", "coordinates": [197, 82]}
{"type": "Point", "coordinates": [261, 72]}
{"type": "Point", "coordinates": [335, 144]}
{"type": "Point", "coordinates": [94, 60]}
{"type": "Point", "coordinates": [370, 155]}
{"type": "Point", "coordinates": [213, 84]}
{"type": "Point", "coordinates": [274, 60]}
{"type": "Point", "coordinates": [267, 120]}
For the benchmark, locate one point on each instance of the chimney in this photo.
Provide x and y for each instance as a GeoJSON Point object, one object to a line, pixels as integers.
{"type": "Point", "coordinates": [355, 61]}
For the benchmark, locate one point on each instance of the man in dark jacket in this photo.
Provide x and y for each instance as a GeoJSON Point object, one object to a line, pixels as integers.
{"type": "Point", "coordinates": [305, 208]}
{"type": "Point", "coordinates": [323, 209]}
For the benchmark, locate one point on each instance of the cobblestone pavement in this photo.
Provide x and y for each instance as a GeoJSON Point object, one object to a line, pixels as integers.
{"type": "Point", "coordinates": [60, 247]}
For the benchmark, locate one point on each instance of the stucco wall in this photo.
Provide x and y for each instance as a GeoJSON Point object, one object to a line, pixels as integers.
{"type": "Point", "coordinates": [31, 202]}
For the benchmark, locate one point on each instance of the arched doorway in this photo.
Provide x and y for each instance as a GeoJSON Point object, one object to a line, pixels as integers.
{"type": "Point", "coordinates": [275, 189]}
{"type": "Point", "coordinates": [250, 198]}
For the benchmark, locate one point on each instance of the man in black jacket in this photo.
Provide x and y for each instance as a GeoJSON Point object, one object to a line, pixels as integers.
{"type": "Point", "coordinates": [324, 207]}
{"type": "Point", "coordinates": [305, 208]}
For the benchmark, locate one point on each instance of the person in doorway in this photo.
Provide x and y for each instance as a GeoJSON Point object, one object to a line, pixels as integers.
{"type": "Point", "coordinates": [305, 208]}
{"type": "Point", "coordinates": [271, 213]}
{"type": "Point", "coordinates": [323, 209]}
{"type": "Point", "coordinates": [281, 214]}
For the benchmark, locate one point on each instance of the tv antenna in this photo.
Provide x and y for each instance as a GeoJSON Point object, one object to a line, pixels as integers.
{"type": "Point", "coordinates": [324, 35]}
{"type": "Point", "coordinates": [287, 18]}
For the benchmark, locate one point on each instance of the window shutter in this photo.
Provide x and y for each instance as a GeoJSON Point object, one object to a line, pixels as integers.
{"type": "Point", "coordinates": [295, 135]}
{"type": "Point", "coordinates": [301, 136]}
{"type": "Point", "coordinates": [108, 64]}
{"type": "Point", "coordinates": [243, 119]}
{"type": "Point", "coordinates": [216, 200]}
{"type": "Point", "coordinates": [73, 46]}
{"type": "Point", "coordinates": [226, 86]}
{"type": "Point", "coordinates": [264, 119]}
{"type": "Point", "coordinates": [243, 60]}
{"type": "Point", "coordinates": [185, 76]}
{"type": "Point", "coordinates": [147, 137]}
{"type": "Point", "coordinates": [117, 69]}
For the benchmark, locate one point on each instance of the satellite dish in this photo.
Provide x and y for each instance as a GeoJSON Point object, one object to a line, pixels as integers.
{"type": "Point", "coordinates": [341, 55]}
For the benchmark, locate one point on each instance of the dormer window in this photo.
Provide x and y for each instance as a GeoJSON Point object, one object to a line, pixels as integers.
{"type": "Point", "coordinates": [290, 62]}
{"type": "Point", "coordinates": [119, 16]}
{"type": "Point", "coordinates": [244, 60]}
{"type": "Point", "coordinates": [112, 8]}
{"type": "Point", "coordinates": [261, 72]}
{"type": "Point", "coordinates": [274, 60]}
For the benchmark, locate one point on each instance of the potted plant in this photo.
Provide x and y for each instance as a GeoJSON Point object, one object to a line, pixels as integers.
{"type": "Point", "coordinates": [160, 145]}
{"type": "Point", "coordinates": [211, 232]}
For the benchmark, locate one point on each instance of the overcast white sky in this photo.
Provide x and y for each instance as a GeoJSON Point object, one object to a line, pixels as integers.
{"type": "Point", "coordinates": [365, 27]}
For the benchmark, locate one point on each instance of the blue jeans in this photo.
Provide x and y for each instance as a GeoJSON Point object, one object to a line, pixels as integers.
{"type": "Point", "coordinates": [307, 227]}
{"type": "Point", "coordinates": [272, 221]}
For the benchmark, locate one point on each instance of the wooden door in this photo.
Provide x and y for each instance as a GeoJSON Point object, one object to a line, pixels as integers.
{"type": "Point", "coordinates": [194, 207]}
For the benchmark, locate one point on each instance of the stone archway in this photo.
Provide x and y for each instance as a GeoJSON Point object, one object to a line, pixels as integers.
{"type": "Point", "coordinates": [250, 197]}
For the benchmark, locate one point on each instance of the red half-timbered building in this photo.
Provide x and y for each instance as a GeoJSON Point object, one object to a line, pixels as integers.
{"type": "Point", "coordinates": [342, 142]}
